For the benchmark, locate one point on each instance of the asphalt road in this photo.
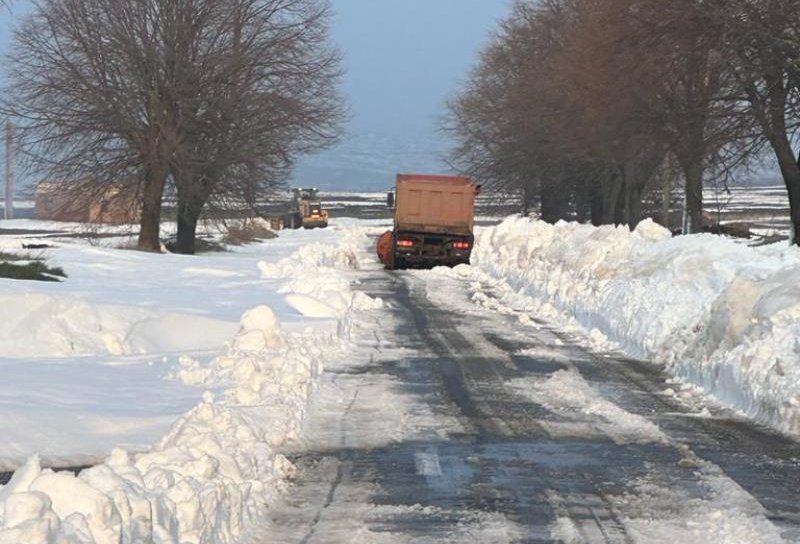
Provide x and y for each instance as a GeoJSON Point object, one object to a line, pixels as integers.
{"type": "Point", "coordinates": [425, 436]}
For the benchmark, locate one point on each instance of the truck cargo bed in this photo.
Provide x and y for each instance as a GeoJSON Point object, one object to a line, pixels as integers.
{"type": "Point", "coordinates": [434, 217]}
{"type": "Point", "coordinates": [435, 204]}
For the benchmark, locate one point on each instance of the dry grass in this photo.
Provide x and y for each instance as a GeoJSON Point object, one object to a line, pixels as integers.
{"type": "Point", "coordinates": [25, 267]}
{"type": "Point", "coordinates": [247, 232]}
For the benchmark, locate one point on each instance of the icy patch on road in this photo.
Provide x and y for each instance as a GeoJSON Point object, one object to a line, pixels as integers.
{"type": "Point", "coordinates": [473, 527]}
{"type": "Point", "coordinates": [216, 470]}
{"type": "Point", "coordinates": [354, 518]}
{"type": "Point", "coordinates": [564, 531]}
{"type": "Point", "coordinates": [568, 394]}
{"type": "Point", "coordinates": [657, 514]}
{"type": "Point", "coordinates": [719, 314]}
{"type": "Point", "coordinates": [362, 403]}
{"type": "Point", "coordinates": [542, 353]}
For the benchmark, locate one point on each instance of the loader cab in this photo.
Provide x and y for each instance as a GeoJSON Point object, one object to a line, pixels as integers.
{"type": "Point", "coordinates": [306, 210]}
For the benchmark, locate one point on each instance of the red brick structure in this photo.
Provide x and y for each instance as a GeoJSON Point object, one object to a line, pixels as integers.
{"type": "Point", "coordinates": [79, 203]}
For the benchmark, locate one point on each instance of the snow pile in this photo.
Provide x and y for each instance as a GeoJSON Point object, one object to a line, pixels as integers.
{"type": "Point", "coordinates": [719, 314]}
{"type": "Point", "coordinates": [316, 288]}
{"type": "Point", "coordinates": [204, 480]}
{"type": "Point", "coordinates": [212, 474]}
{"type": "Point", "coordinates": [39, 325]}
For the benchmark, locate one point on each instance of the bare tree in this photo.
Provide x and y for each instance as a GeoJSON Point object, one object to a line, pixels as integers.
{"type": "Point", "coordinates": [270, 95]}
{"type": "Point", "coordinates": [213, 95]}
{"type": "Point", "coordinates": [549, 112]}
{"type": "Point", "coordinates": [501, 120]}
{"type": "Point", "coordinates": [91, 93]}
{"type": "Point", "coordinates": [694, 81]}
{"type": "Point", "coordinates": [582, 101]}
{"type": "Point", "coordinates": [762, 47]}
{"type": "Point", "coordinates": [610, 116]}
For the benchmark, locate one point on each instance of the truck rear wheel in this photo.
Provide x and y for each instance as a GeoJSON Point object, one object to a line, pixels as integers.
{"type": "Point", "coordinates": [391, 259]}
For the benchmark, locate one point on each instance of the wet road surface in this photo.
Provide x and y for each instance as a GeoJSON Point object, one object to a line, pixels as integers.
{"type": "Point", "coordinates": [428, 432]}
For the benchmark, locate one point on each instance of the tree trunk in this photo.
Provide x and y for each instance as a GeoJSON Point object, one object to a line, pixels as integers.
{"type": "Point", "coordinates": [549, 205]}
{"type": "Point", "coordinates": [693, 210]}
{"type": "Point", "coordinates": [634, 187]}
{"type": "Point", "coordinates": [525, 200]}
{"type": "Point", "coordinates": [691, 155]}
{"type": "Point", "coordinates": [555, 202]}
{"type": "Point", "coordinates": [794, 235]}
{"type": "Point", "coordinates": [150, 222]}
{"type": "Point", "coordinates": [193, 194]}
{"type": "Point", "coordinates": [582, 196]}
{"type": "Point", "coordinates": [790, 171]}
{"type": "Point", "coordinates": [596, 205]}
{"type": "Point", "coordinates": [635, 205]}
{"type": "Point", "coordinates": [611, 190]}
{"type": "Point", "coordinates": [793, 187]}
{"type": "Point", "coordinates": [188, 216]}
{"type": "Point", "coordinates": [774, 124]}
{"type": "Point", "coordinates": [621, 205]}
{"type": "Point", "coordinates": [666, 202]}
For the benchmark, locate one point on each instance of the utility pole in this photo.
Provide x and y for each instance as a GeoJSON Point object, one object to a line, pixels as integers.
{"type": "Point", "coordinates": [9, 201]}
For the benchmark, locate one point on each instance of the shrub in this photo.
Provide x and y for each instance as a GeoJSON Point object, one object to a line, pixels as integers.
{"type": "Point", "coordinates": [247, 231]}
{"type": "Point", "coordinates": [31, 270]}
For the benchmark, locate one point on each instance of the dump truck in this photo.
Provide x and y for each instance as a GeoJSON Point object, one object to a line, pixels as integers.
{"type": "Point", "coordinates": [306, 211]}
{"type": "Point", "coordinates": [433, 222]}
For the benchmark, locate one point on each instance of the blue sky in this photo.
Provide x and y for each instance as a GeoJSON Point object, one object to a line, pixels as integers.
{"type": "Point", "coordinates": [404, 58]}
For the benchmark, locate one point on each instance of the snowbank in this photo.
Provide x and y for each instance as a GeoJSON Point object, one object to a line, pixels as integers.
{"type": "Point", "coordinates": [717, 313]}
{"type": "Point", "coordinates": [39, 325]}
{"type": "Point", "coordinates": [216, 469]}
{"type": "Point", "coordinates": [312, 290]}
{"type": "Point", "coordinates": [73, 412]}
{"type": "Point", "coordinates": [203, 480]}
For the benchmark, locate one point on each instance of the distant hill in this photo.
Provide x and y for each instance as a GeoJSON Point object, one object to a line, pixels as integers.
{"type": "Point", "coordinates": [369, 162]}
{"type": "Point", "coordinates": [762, 180]}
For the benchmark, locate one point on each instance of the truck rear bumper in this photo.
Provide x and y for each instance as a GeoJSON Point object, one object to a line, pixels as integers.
{"type": "Point", "coordinates": [430, 250]}
{"type": "Point", "coordinates": [406, 261]}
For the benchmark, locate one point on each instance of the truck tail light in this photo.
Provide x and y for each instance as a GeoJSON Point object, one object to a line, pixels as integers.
{"type": "Point", "coordinates": [405, 243]}
{"type": "Point", "coordinates": [461, 245]}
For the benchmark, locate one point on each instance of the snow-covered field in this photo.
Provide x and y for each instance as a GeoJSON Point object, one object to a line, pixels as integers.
{"type": "Point", "coordinates": [765, 209]}
{"type": "Point", "coordinates": [95, 349]}
{"type": "Point", "coordinates": [184, 373]}
{"type": "Point", "coordinates": [181, 378]}
{"type": "Point", "coordinates": [718, 314]}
